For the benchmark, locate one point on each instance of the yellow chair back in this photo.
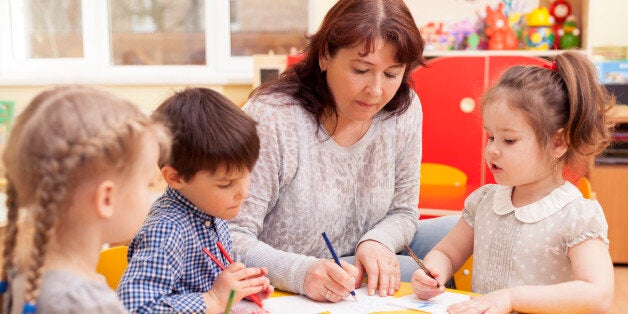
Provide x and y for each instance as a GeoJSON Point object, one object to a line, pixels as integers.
{"type": "Point", "coordinates": [441, 174]}
{"type": "Point", "coordinates": [112, 263]}
{"type": "Point", "coordinates": [462, 278]}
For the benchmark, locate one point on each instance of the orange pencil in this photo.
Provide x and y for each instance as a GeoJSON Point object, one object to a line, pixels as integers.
{"type": "Point", "coordinates": [251, 297]}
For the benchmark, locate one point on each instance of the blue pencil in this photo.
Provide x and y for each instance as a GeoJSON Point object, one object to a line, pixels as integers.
{"type": "Point", "coordinates": [333, 254]}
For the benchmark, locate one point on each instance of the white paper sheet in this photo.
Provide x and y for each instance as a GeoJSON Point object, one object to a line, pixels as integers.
{"type": "Point", "coordinates": [302, 304]}
{"type": "Point", "coordinates": [365, 304]}
{"type": "Point", "coordinates": [435, 305]}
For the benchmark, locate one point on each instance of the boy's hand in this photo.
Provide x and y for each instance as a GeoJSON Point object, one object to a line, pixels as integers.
{"type": "Point", "coordinates": [245, 281]}
{"type": "Point", "coordinates": [494, 302]}
{"type": "Point", "coordinates": [424, 286]}
{"type": "Point", "coordinates": [267, 289]}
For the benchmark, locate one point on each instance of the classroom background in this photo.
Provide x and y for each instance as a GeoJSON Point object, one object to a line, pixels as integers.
{"type": "Point", "coordinates": [142, 50]}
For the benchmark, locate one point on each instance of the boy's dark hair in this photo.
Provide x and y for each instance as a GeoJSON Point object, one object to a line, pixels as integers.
{"type": "Point", "coordinates": [208, 131]}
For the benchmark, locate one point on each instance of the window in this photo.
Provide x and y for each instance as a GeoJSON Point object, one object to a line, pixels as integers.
{"type": "Point", "coordinates": [148, 32]}
{"type": "Point", "coordinates": [47, 29]}
{"type": "Point", "coordinates": [144, 41]}
{"type": "Point", "coordinates": [258, 26]}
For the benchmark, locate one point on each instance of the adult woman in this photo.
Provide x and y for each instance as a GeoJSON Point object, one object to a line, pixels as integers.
{"type": "Point", "coordinates": [340, 152]}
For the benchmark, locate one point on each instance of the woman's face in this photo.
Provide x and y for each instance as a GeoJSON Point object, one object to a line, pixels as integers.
{"type": "Point", "coordinates": [362, 86]}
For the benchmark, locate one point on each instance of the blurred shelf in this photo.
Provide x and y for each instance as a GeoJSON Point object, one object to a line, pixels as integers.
{"type": "Point", "coordinates": [483, 53]}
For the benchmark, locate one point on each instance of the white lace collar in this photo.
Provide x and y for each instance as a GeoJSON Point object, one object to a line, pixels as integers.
{"type": "Point", "coordinates": [539, 210]}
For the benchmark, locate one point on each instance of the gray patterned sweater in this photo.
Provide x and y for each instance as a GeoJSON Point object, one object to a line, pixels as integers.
{"type": "Point", "coordinates": [304, 183]}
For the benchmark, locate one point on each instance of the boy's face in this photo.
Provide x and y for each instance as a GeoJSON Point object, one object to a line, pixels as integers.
{"type": "Point", "coordinates": [219, 194]}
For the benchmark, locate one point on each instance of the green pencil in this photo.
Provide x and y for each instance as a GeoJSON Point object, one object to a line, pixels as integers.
{"type": "Point", "coordinates": [229, 302]}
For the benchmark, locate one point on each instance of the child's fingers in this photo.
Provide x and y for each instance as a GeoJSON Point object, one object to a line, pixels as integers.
{"type": "Point", "coordinates": [262, 282]}
{"type": "Point", "coordinates": [423, 286]}
{"type": "Point", "coordinates": [247, 291]}
{"type": "Point", "coordinates": [429, 280]}
{"type": "Point", "coordinates": [234, 267]}
{"type": "Point", "coordinates": [251, 272]}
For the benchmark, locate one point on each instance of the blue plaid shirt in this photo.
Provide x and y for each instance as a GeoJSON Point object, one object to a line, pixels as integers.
{"type": "Point", "coordinates": [167, 269]}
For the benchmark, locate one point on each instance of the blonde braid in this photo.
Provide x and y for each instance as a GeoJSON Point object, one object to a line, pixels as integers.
{"type": "Point", "coordinates": [10, 239]}
{"type": "Point", "coordinates": [51, 195]}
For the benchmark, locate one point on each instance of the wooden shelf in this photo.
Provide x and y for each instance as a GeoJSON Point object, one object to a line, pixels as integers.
{"type": "Point", "coordinates": [619, 114]}
{"type": "Point", "coordinates": [484, 53]}
{"type": "Point", "coordinates": [610, 183]}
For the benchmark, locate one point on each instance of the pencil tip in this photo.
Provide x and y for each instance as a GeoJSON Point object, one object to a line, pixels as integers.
{"type": "Point", "coordinates": [355, 298]}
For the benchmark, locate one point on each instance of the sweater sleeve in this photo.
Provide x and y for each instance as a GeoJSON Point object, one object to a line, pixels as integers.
{"type": "Point", "coordinates": [272, 172]}
{"type": "Point", "coordinates": [402, 219]}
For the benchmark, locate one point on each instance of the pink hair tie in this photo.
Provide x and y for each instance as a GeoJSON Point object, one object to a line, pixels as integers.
{"type": "Point", "coordinates": [551, 66]}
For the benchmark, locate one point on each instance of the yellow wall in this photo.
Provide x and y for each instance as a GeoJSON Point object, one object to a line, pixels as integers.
{"type": "Point", "coordinates": [146, 97]}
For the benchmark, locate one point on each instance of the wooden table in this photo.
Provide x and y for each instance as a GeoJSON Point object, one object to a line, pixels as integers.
{"type": "Point", "coordinates": [404, 290]}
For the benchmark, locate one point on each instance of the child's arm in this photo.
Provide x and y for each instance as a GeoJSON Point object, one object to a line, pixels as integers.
{"type": "Point", "coordinates": [448, 255]}
{"type": "Point", "coordinates": [591, 291]}
{"type": "Point", "coordinates": [244, 281]}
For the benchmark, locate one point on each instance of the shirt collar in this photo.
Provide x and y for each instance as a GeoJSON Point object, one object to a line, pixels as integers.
{"type": "Point", "coordinates": [539, 210]}
{"type": "Point", "coordinates": [188, 206]}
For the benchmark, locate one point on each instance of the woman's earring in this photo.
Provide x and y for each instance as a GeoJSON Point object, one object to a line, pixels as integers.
{"type": "Point", "coordinates": [555, 164]}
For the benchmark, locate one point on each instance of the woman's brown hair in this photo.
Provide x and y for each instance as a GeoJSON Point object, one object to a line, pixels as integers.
{"type": "Point", "coordinates": [65, 135]}
{"type": "Point", "coordinates": [350, 23]}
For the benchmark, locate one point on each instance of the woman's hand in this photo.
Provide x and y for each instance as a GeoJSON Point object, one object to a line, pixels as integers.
{"type": "Point", "coordinates": [492, 303]}
{"type": "Point", "coordinates": [424, 286]}
{"type": "Point", "coordinates": [245, 281]}
{"type": "Point", "coordinates": [325, 281]}
{"type": "Point", "coordinates": [381, 266]}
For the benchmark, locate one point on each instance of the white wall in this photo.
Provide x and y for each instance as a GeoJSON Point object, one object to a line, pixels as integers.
{"type": "Point", "coordinates": [609, 23]}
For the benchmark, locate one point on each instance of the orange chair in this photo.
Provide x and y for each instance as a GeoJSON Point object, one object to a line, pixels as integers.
{"type": "Point", "coordinates": [462, 278]}
{"type": "Point", "coordinates": [112, 263]}
{"type": "Point", "coordinates": [584, 186]}
{"type": "Point", "coordinates": [443, 187]}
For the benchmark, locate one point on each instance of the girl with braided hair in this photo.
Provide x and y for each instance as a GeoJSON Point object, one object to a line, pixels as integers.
{"type": "Point", "coordinates": [80, 160]}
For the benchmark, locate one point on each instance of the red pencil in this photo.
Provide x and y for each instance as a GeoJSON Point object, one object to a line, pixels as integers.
{"type": "Point", "coordinates": [251, 297]}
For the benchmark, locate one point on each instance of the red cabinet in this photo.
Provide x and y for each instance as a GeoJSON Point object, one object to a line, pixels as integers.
{"type": "Point", "coordinates": [450, 89]}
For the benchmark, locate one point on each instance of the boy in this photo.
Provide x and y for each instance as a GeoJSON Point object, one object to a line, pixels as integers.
{"type": "Point", "coordinates": [214, 148]}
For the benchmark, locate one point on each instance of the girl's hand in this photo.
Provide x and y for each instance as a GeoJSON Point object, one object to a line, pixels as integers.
{"type": "Point", "coordinates": [492, 303]}
{"type": "Point", "coordinates": [424, 286]}
{"type": "Point", "coordinates": [381, 266]}
{"type": "Point", "coordinates": [245, 281]}
{"type": "Point", "coordinates": [325, 281]}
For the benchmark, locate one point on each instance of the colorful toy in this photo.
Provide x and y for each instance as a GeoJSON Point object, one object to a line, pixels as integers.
{"type": "Point", "coordinates": [473, 41]}
{"type": "Point", "coordinates": [560, 11]}
{"type": "Point", "coordinates": [538, 33]}
{"type": "Point", "coordinates": [569, 34]}
{"type": "Point", "coordinates": [436, 37]}
{"type": "Point", "coordinates": [501, 36]}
